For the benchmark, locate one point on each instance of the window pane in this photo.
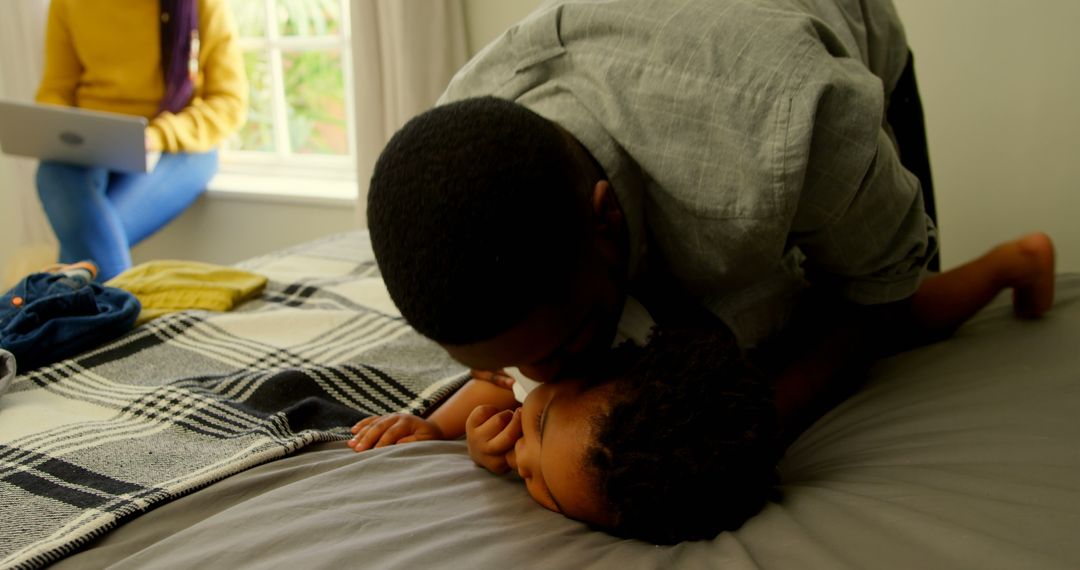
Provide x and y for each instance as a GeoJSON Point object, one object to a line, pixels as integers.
{"type": "Point", "coordinates": [309, 17]}
{"type": "Point", "coordinates": [258, 133]}
{"type": "Point", "coordinates": [315, 92]}
{"type": "Point", "coordinates": [250, 17]}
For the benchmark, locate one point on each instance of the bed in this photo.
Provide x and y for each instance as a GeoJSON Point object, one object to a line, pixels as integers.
{"type": "Point", "coordinates": [961, 454]}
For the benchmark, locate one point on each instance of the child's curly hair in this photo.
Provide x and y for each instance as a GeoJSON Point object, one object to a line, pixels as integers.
{"type": "Point", "coordinates": [688, 447]}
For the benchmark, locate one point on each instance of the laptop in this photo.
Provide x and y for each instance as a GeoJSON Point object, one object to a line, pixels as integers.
{"type": "Point", "coordinates": [76, 136]}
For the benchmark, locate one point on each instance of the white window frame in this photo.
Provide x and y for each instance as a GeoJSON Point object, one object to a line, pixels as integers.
{"type": "Point", "coordinates": [283, 173]}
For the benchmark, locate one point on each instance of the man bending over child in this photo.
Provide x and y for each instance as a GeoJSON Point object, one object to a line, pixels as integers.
{"type": "Point", "coordinates": [740, 151]}
{"type": "Point", "coordinates": [679, 439]}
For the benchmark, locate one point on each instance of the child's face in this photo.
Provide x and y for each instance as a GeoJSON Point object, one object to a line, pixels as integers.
{"type": "Point", "coordinates": [556, 434]}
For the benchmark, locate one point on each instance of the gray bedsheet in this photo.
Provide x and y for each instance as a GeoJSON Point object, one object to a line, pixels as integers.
{"type": "Point", "coordinates": [963, 454]}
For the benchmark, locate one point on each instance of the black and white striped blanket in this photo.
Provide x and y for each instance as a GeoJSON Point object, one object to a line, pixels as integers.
{"type": "Point", "coordinates": [194, 397]}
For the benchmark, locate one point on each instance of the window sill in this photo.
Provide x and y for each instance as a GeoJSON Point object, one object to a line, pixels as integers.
{"type": "Point", "coordinates": [284, 189]}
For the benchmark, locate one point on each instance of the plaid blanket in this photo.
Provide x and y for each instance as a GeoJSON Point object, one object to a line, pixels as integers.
{"type": "Point", "coordinates": [194, 397]}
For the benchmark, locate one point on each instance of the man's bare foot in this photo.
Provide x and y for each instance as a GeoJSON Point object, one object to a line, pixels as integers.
{"type": "Point", "coordinates": [1033, 293]}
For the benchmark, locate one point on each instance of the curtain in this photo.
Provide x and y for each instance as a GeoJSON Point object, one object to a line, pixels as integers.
{"type": "Point", "coordinates": [404, 54]}
{"type": "Point", "coordinates": [28, 242]}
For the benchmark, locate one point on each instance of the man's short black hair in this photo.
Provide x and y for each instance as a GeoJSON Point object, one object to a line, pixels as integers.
{"type": "Point", "coordinates": [477, 213]}
{"type": "Point", "coordinates": [688, 446]}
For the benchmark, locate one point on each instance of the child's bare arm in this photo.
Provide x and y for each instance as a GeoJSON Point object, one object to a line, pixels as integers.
{"type": "Point", "coordinates": [452, 415]}
{"type": "Point", "coordinates": [446, 422]}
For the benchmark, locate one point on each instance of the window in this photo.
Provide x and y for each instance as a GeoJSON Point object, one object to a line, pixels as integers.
{"type": "Point", "coordinates": [297, 58]}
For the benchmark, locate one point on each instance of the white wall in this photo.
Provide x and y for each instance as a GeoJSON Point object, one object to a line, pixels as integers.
{"type": "Point", "coordinates": [486, 19]}
{"type": "Point", "coordinates": [999, 80]}
{"type": "Point", "coordinates": [9, 227]}
{"type": "Point", "coordinates": [226, 229]}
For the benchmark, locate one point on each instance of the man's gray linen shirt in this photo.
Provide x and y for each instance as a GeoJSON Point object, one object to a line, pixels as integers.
{"type": "Point", "coordinates": [745, 139]}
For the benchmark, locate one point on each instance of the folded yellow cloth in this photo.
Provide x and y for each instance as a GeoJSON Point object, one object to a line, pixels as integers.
{"type": "Point", "coordinates": [167, 286]}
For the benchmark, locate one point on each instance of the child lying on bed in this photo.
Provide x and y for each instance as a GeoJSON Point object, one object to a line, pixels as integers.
{"type": "Point", "coordinates": [679, 440]}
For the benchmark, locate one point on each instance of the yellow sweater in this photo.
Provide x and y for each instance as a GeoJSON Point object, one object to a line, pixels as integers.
{"type": "Point", "coordinates": [106, 55]}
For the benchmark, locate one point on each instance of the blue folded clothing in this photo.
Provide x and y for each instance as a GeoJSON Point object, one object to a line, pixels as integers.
{"type": "Point", "coordinates": [47, 317]}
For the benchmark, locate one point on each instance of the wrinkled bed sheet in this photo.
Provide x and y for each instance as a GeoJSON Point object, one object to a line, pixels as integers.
{"type": "Point", "coordinates": [963, 454]}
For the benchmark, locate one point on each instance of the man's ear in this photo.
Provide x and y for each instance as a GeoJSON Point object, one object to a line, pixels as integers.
{"type": "Point", "coordinates": [607, 214]}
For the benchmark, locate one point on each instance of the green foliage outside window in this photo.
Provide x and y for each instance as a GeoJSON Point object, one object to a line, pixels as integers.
{"type": "Point", "coordinates": [315, 91]}
{"type": "Point", "coordinates": [314, 81]}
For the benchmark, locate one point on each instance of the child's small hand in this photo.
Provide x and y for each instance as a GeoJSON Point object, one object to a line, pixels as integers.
{"type": "Point", "coordinates": [491, 434]}
{"type": "Point", "coordinates": [380, 431]}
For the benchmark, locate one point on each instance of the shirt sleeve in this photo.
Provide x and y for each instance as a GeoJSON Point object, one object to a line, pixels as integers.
{"type": "Point", "coordinates": [219, 108]}
{"type": "Point", "coordinates": [860, 218]}
{"type": "Point", "coordinates": [62, 67]}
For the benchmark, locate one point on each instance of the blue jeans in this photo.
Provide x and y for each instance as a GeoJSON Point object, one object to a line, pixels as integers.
{"type": "Point", "coordinates": [98, 214]}
{"type": "Point", "coordinates": [50, 316]}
